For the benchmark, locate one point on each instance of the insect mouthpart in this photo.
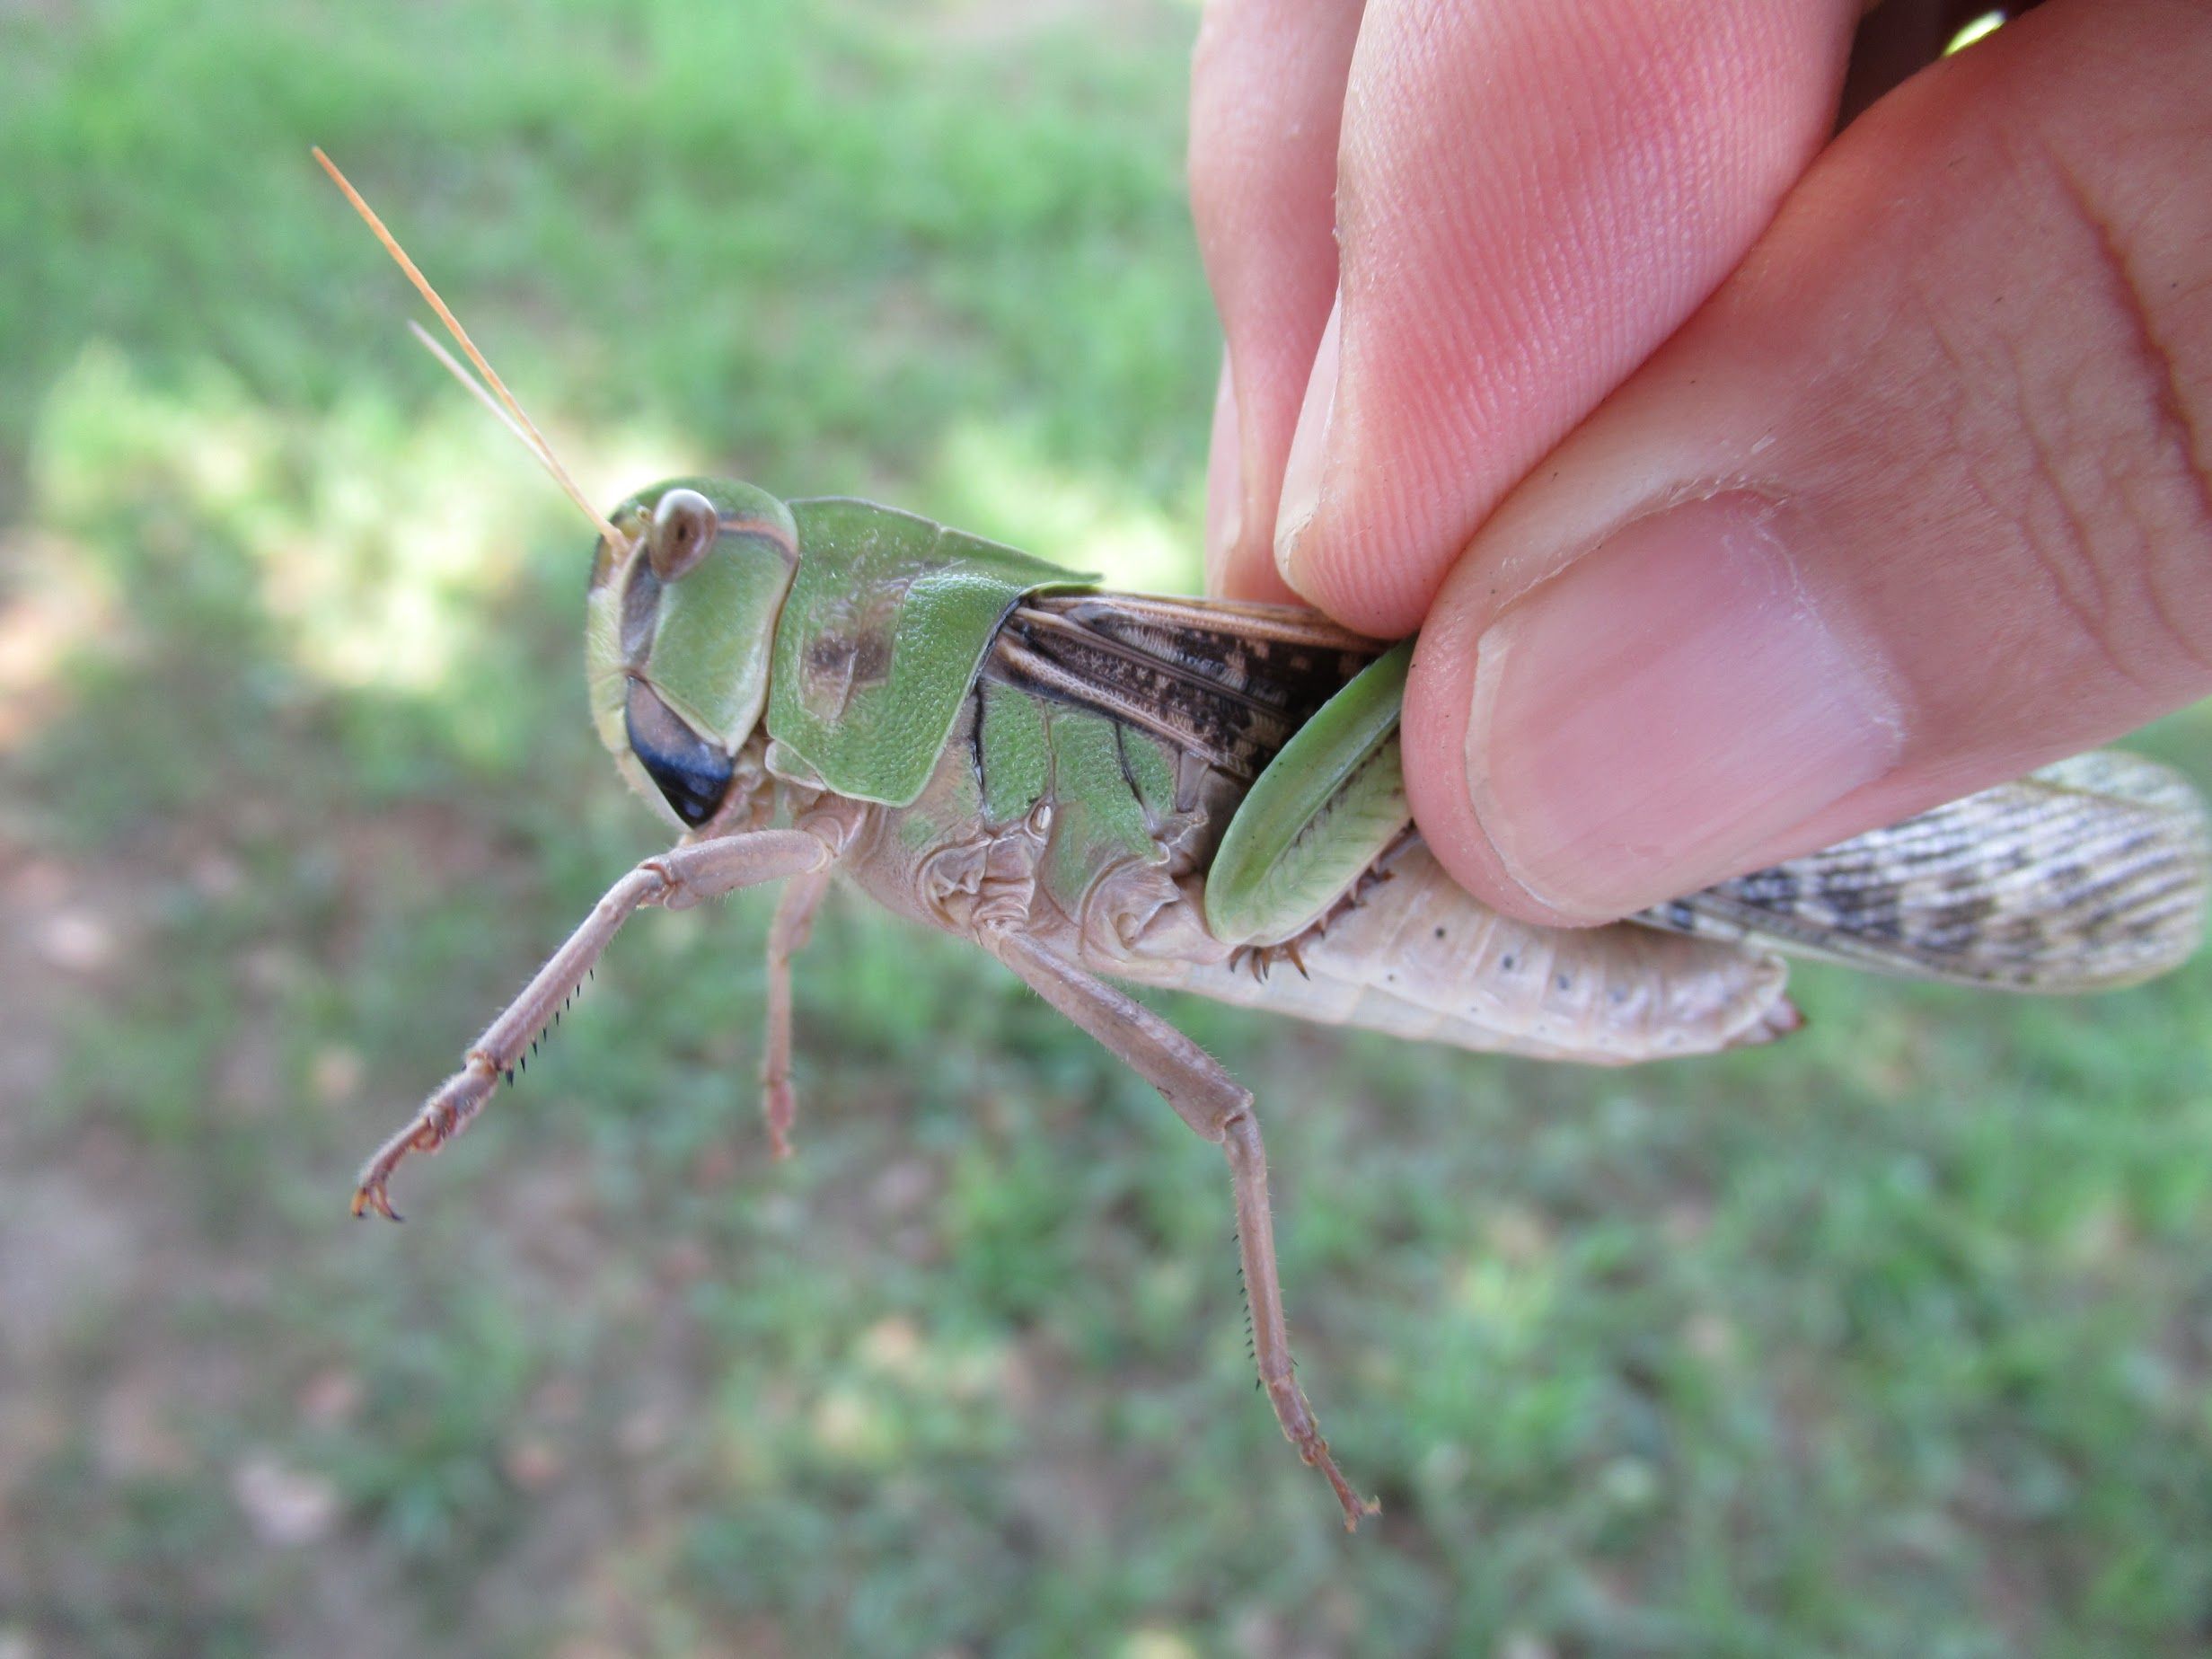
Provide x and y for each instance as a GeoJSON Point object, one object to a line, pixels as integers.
{"type": "Point", "coordinates": [692, 774]}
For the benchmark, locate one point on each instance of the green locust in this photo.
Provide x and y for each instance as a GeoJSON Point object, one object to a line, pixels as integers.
{"type": "Point", "coordinates": [1096, 787]}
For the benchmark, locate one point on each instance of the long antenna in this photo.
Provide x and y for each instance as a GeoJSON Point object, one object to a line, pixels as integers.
{"type": "Point", "coordinates": [522, 424]}
{"type": "Point", "coordinates": [469, 382]}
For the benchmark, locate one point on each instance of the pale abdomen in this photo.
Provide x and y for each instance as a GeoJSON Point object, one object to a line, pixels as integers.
{"type": "Point", "coordinates": [1417, 957]}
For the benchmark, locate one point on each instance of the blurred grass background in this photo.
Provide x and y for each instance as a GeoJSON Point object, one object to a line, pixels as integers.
{"type": "Point", "coordinates": [1893, 1340]}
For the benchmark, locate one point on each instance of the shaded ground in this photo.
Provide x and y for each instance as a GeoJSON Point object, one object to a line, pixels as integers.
{"type": "Point", "coordinates": [1893, 1339]}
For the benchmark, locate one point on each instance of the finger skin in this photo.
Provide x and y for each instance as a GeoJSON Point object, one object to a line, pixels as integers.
{"type": "Point", "coordinates": [1532, 195]}
{"type": "Point", "coordinates": [1267, 91]}
{"type": "Point", "coordinates": [1950, 417]}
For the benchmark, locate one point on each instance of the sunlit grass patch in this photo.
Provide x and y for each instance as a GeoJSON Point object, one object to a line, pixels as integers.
{"type": "Point", "coordinates": [993, 478]}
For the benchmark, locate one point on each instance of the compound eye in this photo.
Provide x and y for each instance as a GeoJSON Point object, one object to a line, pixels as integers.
{"type": "Point", "coordinates": [684, 526]}
{"type": "Point", "coordinates": [692, 774]}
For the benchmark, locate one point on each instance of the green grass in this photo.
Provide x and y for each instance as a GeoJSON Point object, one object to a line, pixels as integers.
{"type": "Point", "coordinates": [1895, 1339]}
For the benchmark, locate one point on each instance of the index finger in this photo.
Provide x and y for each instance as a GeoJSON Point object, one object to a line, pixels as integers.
{"type": "Point", "coordinates": [1531, 195]}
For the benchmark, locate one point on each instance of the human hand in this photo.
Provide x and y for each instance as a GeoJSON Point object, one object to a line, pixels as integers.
{"type": "Point", "coordinates": [1749, 487]}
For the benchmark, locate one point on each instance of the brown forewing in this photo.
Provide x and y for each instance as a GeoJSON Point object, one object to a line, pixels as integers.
{"type": "Point", "coordinates": [1227, 682]}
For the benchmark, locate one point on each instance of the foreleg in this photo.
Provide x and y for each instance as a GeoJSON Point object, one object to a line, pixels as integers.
{"type": "Point", "coordinates": [675, 880]}
{"type": "Point", "coordinates": [1219, 1107]}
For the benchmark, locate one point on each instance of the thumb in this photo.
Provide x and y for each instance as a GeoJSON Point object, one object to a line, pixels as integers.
{"type": "Point", "coordinates": [1916, 503]}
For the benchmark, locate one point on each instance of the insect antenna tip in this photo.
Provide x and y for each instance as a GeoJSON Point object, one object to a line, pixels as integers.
{"type": "Point", "coordinates": [521, 424]}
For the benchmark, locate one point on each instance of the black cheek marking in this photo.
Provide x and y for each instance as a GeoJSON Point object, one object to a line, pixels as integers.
{"type": "Point", "coordinates": [692, 774]}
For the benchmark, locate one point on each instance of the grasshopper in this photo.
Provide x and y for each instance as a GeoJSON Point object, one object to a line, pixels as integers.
{"type": "Point", "coordinates": [1097, 785]}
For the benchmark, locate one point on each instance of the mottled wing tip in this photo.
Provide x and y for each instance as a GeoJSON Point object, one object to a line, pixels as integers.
{"type": "Point", "coordinates": [2088, 875]}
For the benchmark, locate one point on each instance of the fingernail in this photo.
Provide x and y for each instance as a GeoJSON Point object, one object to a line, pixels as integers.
{"type": "Point", "coordinates": [1301, 474]}
{"type": "Point", "coordinates": [1673, 702]}
{"type": "Point", "coordinates": [1224, 481]}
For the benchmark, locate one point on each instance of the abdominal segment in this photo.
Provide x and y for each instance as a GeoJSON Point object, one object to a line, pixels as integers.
{"type": "Point", "coordinates": [1412, 954]}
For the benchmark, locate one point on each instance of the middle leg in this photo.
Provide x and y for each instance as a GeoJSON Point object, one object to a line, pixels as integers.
{"type": "Point", "coordinates": [787, 936]}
